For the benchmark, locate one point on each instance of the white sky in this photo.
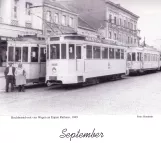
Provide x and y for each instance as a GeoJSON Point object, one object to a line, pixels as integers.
{"type": "Point", "coordinates": [149, 12]}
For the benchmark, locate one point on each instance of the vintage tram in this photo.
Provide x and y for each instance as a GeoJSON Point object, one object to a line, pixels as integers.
{"type": "Point", "coordinates": [142, 59]}
{"type": "Point", "coordinates": [31, 52]}
{"type": "Point", "coordinates": [73, 59]}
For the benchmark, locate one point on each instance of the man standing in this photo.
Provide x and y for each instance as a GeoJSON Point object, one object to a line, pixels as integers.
{"type": "Point", "coordinates": [10, 76]}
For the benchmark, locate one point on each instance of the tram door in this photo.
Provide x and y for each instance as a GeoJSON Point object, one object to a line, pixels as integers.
{"type": "Point", "coordinates": [79, 59]}
{"type": "Point", "coordinates": [42, 62]}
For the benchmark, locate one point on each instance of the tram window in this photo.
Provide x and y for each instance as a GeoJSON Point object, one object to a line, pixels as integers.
{"type": "Point", "coordinates": [145, 57]}
{"type": "Point", "coordinates": [25, 54]}
{"type": "Point", "coordinates": [54, 51]}
{"type": "Point", "coordinates": [96, 52]}
{"type": "Point", "coordinates": [117, 53]}
{"type": "Point", "coordinates": [133, 57]}
{"type": "Point", "coordinates": [10, 54]}
{"type": "Point", "coordinates": [122, 54]}
{"type": "Point", "coordinates": [43, 54]}
{"type": "Point", "coordinates": [138, 59]}
{"type": "Point", "coordinates": [63, 51]}
{"type": "Point", "coordinates": [71, 51]}
{"type": "Point", "coordinates": [104, 53]}
{"type": "Point", "coordinates": [89, 52]}
{"type": "Point", "coordinates": [34, 54]}
{"type": "Point", "coordinates": [129, 56]}
{"type": "Point", "coordinates": [18, 54]}
{"type": "Point", "coordinates": [78, 52]}
{"type": "Point", "coordinates": [47, 51]}
{"type": "Point", "coordinates": [111, 53]}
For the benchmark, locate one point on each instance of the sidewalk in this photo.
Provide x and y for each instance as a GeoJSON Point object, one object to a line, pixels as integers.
{"type": "Point", "coordinates": [2, 82]}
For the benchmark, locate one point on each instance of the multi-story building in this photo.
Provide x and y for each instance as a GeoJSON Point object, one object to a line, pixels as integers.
{"type": "Point", "coordinates": [110, 20]}
{"type": "Point", "coordinates": [57, 19]}
{"type": "Point", "coordinates": [18, 18]}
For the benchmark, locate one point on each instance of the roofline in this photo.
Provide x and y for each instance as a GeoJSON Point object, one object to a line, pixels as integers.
{"type": "Point", "coordinates": [87, 23]}
{"type": "Point", "coordinates": [87, 28]}
{"type": "Point", "coordinates": [51, 6]}
{"type": "Point", "coordinates": [120, 7]}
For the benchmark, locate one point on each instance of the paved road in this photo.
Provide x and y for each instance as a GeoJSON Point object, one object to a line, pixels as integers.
{"type": "Point", "coordinates": [131, 95]}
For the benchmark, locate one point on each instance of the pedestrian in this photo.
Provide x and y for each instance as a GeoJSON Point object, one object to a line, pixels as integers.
{"type": "Point", "coordinates": [20, 78]}
{"type": "Point", "coordinates": [10, 76]}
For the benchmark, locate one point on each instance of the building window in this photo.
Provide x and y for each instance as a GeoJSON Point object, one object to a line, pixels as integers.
{"type": "Point", "coordinates": [48, 16]}
{"type": "Point", "coordinates": [131, 40]}
{"type": "Point", "coordinates": [28, 6]}
{"type": "Point", "coordinates": [115, 36]}
{"type": "Point", "coordinates": [56, 18]}
{"type": "Point", "coordinates": [15, 9]}
{"type": "Point", "coordinates": [134, 41]}
{"type": "Point", "coordinates": [124, 23]}
{"type": "Point", "coordinates": [120, 22]}
{"type": "Point", "coordinates": [71, 22]}
{"type": "Point", "coordinates": [134, 27]}
{"type": "Point", "coordinates": [110, 18]}
{"type": "Point", "coordinates": [64, 20]}
{"type": "Point", "coordinates": [110, 35]}
{"type": "Point", "coordinates": [128, 40]}
{"type": "Point", "coordinates": [115, 20]}
{"type": "Point", "coordinates": [129, 25]}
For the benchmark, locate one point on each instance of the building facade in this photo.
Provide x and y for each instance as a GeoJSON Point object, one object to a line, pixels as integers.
{"type": "Point", "coordinates": [18, 18]}
{"type": "Point", "coordinates": [110, 20]}
{"type": "Point", "coordinates": [58, 19]}
{"type": "Point", "coordinates": [121, 24]}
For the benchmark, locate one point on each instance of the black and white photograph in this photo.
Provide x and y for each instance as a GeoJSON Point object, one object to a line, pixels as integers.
{"type": "Point", "coordinates": [81, 64]}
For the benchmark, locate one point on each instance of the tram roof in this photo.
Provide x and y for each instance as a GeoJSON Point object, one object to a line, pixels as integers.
{"type": "Point", "coordinates": [29, 40]}
{"type": "Point", "coordinates": [85, 38]}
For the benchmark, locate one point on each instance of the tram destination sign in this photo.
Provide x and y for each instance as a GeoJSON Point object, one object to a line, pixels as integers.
{"type": "Point", "coordinates": [104, 41]}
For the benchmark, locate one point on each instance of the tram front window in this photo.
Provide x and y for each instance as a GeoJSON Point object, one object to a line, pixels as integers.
{"type": "Point", "coordinates": [96, 52]}
{"type": "Point", "coordinates": [71, 51]}
{"type": "Point", "coordinates": [133, 57]}
{"type": "Point", "coordinates": [34, 54]}
{"type": "Point", "coordinates": [54, 51]}
{"type": "Point", "coordinates": [89, 52]}
{"type": "Point", "coordinates": [43, 54]}
{"type": "Point", "coordinates": [47, 51]}
{"type": "Point", "coordinates": [129, 56]}
{"type": "Point", "coordinates": [10, 54]}
{"type": "Point", "coordinates": [25, 54]}
{"type": "Point", "coordinates": [63, 51]}
{"type": "Point", "coordinates": [18, 54]}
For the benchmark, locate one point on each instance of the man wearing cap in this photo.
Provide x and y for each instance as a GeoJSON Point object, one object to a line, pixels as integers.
{"type": "Point", "coordinates": [10, 76]}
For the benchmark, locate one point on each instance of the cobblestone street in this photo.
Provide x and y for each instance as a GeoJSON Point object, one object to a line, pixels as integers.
{"type": "Point", "coordinates": [131, 95]}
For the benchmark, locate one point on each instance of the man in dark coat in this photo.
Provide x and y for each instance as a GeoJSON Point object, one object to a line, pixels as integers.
{"type": "Point", "coordinates": [10, 76]}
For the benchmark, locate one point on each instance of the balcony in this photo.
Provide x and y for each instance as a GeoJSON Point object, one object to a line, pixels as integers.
{"type": "Point", "coordinates": [14, 22]}
{"type": "Point", "coordinates": [28, 25]}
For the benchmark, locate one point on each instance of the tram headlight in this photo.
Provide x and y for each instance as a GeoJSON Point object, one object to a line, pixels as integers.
{"type": "Point", "coordinates": [53, 70]}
